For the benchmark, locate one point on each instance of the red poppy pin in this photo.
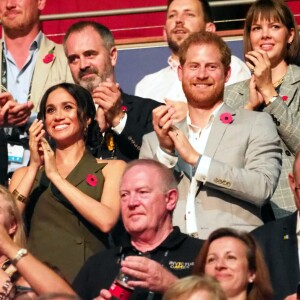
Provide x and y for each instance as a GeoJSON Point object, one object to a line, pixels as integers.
{"type": "Point", "coordinates": [91, 180]}
{"type": "Point", "coordinates": [124, 108]}
{"type": "Point", "coordinates": [226, 118]}
{"type": "Point", "coordinates": [48, 57]}
{"type": "Point", "coordinates": [284, 98]}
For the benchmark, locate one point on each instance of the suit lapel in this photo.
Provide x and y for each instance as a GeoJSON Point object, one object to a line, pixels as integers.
{"type": "Point", "coordinates": [217, 131]}
{"type": "Point", "coordinates": [182, 166]}
{"type": "Point", "coordinates": [1, 63]}
{"type": "Point", "coordinates": [88, 162]}
{"type": "Point", "coordinates": [42, 70]}
{"type": "Point", "coordinates": [290, 89]}
{"type": "Point", "coordinates": [289, 249]}
{"type": "Point", "coordinates": [216, 134]}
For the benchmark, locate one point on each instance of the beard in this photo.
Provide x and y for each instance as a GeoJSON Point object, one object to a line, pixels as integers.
{"type": "Point", "coordinates": [92, 82]}
{"type": "Point", "coordinates": [205, 99]}
{"type": "Point", "coordinates": [19, 26]}
{"type": "Point", "coordinates": [173, 45]}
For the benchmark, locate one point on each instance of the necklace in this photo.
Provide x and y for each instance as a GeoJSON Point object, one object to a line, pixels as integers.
{"type": "Point", "coordinates": [279, 82]}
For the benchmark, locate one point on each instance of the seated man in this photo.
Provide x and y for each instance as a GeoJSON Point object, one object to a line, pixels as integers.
{"type": "Point", "coordinates": [279, 241]}
{"type": "Point", "coordinates": [228, 162]}
{"type": "Point", "coordinates": [156, 253]}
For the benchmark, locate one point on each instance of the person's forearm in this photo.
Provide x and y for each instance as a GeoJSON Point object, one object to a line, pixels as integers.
{"type": "Point", "coordinates": [41, 278]}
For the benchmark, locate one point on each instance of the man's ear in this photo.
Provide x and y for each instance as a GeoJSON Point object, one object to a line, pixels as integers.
{"type": "Point", "coordinates": [227, 74]}
{"type": "Point", "coordinates": [171, 199]}
{"type": "Point", "coordinates": [292, 182]}
{"type": "Point", "coordinates": [165, 34]}
{"type": "Point", "coordinates": [211, 27]}
{"type": "Point", "coordinates": [41, 4]}
{"type": "Point", "coordinates": [113, 56]}
{"type": "Point", "coordinates": [179, 72]}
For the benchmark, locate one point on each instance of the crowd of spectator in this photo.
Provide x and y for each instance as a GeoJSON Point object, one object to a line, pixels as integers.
{"type": "Point", "coordinates": [187, 190]}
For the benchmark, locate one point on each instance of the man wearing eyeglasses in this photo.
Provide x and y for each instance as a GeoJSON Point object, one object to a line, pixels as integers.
{"type": "Point", "coordinates": [280, 241]}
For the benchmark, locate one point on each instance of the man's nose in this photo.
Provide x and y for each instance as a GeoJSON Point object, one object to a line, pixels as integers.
{"type": "Point", "coordinates": [11, 4]}
{"type": "Point", "coordinates": [84, 63]}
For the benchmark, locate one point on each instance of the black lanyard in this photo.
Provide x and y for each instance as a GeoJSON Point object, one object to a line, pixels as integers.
{"type": "Point", "coordinates": [4, 76]}
{"type": "Point", "coordinates": [14, 135]}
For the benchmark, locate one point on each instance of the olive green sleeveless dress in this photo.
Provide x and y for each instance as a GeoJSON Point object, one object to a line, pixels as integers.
{"type": "Point", "coordinates": [57, 233]}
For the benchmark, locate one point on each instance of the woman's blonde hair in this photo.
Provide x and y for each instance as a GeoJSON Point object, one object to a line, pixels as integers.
{"type": "Point", "coordinates": [186, 287]}
{"type": "Point", "coordinates": [19, 236]}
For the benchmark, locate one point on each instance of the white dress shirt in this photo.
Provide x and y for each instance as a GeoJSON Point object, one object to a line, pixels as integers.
{"type": "Point", "coordinates": [198, 138]}
{"type": "Point", "coordinates": [165, 83]}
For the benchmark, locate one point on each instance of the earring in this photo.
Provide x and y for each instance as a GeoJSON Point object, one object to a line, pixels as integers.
{"type": "Point", "coordinates": [85, 131]}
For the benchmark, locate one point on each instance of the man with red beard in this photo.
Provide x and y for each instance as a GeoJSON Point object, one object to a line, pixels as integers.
{"type": "Point", "coordinates": [183, 18]}
{"type": "Point", "coordinates": [228, 162]}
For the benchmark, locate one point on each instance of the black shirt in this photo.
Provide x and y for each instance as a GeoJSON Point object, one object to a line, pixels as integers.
{"type": "Point", "coordinates": [177, 253]}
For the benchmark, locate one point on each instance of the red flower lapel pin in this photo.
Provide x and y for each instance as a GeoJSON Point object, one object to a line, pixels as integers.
{"type": "Point", "coordinates": [226, 118]}
{"type": "Point", "coordinates": [48, 57]}
{"type": "Point", "coordinates": [91, 180]}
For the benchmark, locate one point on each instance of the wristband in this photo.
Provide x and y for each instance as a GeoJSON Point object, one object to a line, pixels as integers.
{"type": "Point", "coordinates": [21, 253]}
{"type": "Point", "coordinates": [19, 197]}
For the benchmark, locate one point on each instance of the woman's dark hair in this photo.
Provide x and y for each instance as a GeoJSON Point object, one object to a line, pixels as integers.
{"type": "Point", "coordinates": [273, 10]}
{"type": "Point", "coordinates": [85, 106]}
{"type": "Point", "coordinates": [261, 288]}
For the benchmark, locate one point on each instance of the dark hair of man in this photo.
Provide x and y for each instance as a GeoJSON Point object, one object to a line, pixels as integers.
{"type": "Point", "coordinates": [278, 11]}
{"type": "Point", "coordinates": [168, 180]}
{"type": "Point", "coordinates": [103, 31]}
{"type": "Point", "coordinates": [208, 17]}
{"type": "Point", "coordinates": [261, 288]}
{"type": "Point", "coordinates": [206, 38]}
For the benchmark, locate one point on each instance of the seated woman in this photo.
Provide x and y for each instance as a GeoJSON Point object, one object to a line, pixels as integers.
{"type": "Point", "coordinates": [236, 261]}
{"type": "Point", "coordinates": [71, 198]}
{"type": "Point", "coordinates": [195, 288]}
{"type": "Point", "coordinates": [271, 47]}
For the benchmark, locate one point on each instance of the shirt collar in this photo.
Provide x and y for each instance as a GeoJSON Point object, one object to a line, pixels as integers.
{"type": "Point", "coordinates": [196, 128]}
{"type": "Point", "coordinates": [174, 239]}
{"type": "Point", "coordinates": [298, 224]}
{"type": "Point", "coordinates": [34, 45]}
{"type": "Point", "coordinates": [173, 63]}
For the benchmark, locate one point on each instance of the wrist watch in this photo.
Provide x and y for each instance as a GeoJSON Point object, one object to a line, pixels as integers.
{"type": "Point", "coordinates": [21, 253]}
{"type": "Point", "coordinates": [272, 99]}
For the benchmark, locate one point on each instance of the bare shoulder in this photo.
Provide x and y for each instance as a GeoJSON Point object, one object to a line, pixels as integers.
{"type": "Point", "coordinates": [115, 165]}
{"type": "Point", "coordinates": [17, 177]}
